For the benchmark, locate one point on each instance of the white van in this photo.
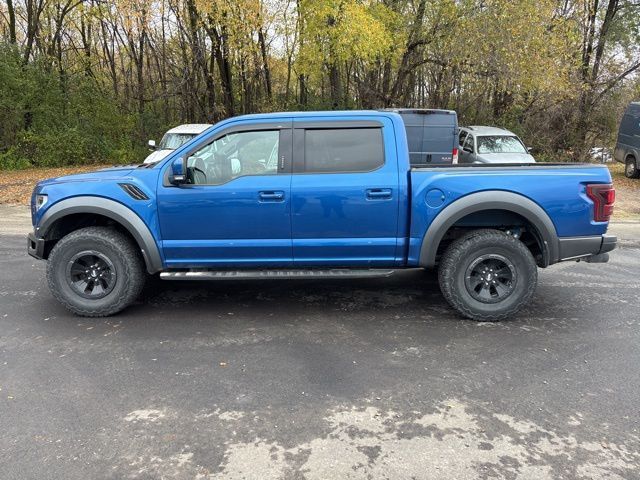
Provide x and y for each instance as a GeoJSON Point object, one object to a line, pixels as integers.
{"type": "Point", "coordinates": [173, 139]}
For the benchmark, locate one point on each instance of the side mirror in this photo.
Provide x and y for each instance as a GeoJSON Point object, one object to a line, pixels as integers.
{"type": "Point", "coordinates": [529, 149]}
{"type": "Point", "coordinates": [178, 175]}
{"type": "Point", "coordinates": [152, 144]}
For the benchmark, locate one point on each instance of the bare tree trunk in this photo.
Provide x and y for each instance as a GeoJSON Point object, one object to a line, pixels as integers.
{"type": "Point", "coordinates": [12, 22]}
{"type": "Point", "coordinates": [109, 52]}
{"type": "Point", "coordinates": [404, 70]}
{"type": "Point", "coordinates": [303, 96]}
{"type": "Point", "coordinates": [140, 72]}
{"type": "Point", "coordinates": [220, 47]}
{"type": "Point", "coordinates": [590, 72]}
{"type": "Point", "coordinates": [265, 63]}
{"type": "Point", "coordinates": [85, 35]}
{"type": "Point", "coordinates": [335, 86]}
{"type": "Point", "coordinates": [34, 10]}
{"type": "Point", "coordinates": [162, 68]}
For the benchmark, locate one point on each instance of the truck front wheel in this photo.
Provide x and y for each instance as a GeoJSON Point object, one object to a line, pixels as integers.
{"type": "Point", "coordinates": [487, 275]}
{"type": "Point", "coordinates": [95, 271]}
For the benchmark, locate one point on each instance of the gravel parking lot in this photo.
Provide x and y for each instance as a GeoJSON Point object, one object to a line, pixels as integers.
{"type": "Point", "coordinates": [317, 379]}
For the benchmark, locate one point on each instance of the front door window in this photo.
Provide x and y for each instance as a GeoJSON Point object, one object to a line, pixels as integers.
{"type": "Point", "coordinates": [234, 155]}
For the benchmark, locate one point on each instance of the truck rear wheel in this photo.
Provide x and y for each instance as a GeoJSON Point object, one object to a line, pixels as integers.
{"type": "Point", "coordinates": [630, 168]}
{"type": "Point", "coordinates": [487, 275]}
{"type": "Point", "coordinates": [95, 271]}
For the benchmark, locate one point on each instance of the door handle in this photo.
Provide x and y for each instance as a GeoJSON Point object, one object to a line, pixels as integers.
{"type": "Point", "coordinates": [379, 193]}
{"type": "Point", "coordinates": [271, 196]}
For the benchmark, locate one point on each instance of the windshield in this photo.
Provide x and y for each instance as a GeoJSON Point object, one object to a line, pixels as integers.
{"type": "Point", "coordinates": [500, 144]}
{"type": "Point", "coordinates": [171, 141]}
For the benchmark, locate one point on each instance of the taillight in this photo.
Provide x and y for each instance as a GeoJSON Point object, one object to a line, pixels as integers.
{"type": "Point", "coordinates": [603, 196]}
{"type": "Point", "coordinates": [454, 155]}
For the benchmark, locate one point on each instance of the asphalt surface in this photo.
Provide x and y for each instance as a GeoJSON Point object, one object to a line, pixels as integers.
{"type": "Point", "coordinates": [321, 379]}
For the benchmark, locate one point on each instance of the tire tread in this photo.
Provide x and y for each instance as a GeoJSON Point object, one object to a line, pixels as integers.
{"type": "Point", "coordinates": [455, 254]}
{"type": "Point", "coordinates": [133, 274]}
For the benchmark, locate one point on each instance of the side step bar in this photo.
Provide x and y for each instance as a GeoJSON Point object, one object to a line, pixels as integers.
{"type": "Point", "coordinates": [273, 274]}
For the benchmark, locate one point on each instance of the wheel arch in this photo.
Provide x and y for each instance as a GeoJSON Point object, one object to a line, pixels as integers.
{"type": "Point", "coordinates": [98, 207]}
{"type": "Point", "coordinates": [491, 200]}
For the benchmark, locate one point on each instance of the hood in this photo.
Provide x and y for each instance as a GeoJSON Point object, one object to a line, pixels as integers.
{"type": "Point", "coordinates": [157, 155]}
{"type": "Point", "coordinates": [505, 158]}
{"type": "Point", "coordinates": [111, 173]}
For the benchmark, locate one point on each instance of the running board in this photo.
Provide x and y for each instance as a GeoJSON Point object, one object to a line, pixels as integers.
{"type": "Point", "coordinates": [273, 274]}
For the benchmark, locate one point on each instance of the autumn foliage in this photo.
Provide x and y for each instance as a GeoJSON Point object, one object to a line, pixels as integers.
{"type": "Point", "coordinates": [88, 81]}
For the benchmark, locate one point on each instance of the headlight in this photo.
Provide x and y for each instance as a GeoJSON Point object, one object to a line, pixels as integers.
{"type": "Point", "coordinates": [41, 200]}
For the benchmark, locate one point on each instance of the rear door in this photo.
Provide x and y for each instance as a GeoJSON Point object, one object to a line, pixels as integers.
{"type": "Point", "coordinates": [431, 135]}
{"type": "Point", "coordinates": [467, 151]}
{"type": "Point", "coordinates": [440, 137]}
{"type": "Point", "coordinates": [344, 193]}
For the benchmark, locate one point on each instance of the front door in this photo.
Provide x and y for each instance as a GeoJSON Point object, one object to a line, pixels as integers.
{"type": "Point", "coordinates": [344, 194]}
{"type": "Point", "coordinates": [235, 210]}
{"type": "Point", "coordinates": [467, 154]}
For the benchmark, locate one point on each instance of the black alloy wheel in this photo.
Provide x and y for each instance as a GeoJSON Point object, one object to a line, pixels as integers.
{"type": "Point", "coordinates": [91, 274]}
{"type": "Point", "coordinates": [490, 278]}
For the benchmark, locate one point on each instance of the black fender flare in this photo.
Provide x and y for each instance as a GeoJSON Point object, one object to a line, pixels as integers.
{"type": "Point", "coordinates": [490, 200]}
{"type": "Point", "coordinates": [110, 209]}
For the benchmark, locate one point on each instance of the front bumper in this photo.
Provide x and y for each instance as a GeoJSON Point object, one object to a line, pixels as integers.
{"type": "Point", "coordinates": [573, 248]}
{"type": "Point", "coordinates": [35, 246]}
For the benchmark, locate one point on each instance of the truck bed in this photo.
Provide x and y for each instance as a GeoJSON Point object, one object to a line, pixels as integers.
{"type": "Point", "coordinates": [559, 189]}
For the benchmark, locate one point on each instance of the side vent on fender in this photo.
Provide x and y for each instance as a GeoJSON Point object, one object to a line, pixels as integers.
{"type": "Point", "coordinates": [133, 191]}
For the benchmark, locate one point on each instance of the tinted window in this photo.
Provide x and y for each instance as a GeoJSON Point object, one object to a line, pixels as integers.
{"type": "Point", "coordinates": [438, 139]}
{"type": "Point", "coordinates": [235, 155]}
{"type": "Point", "coordinates": [343, 150]}
{"type": "Point", "coordinates": [415, 137]}
{"type": "Point", "coordinates": [630, 125]}
{"type": "Point", "coordinates": [461, 138]}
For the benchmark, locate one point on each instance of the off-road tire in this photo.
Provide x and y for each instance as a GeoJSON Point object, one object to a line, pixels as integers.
{"type": "Point", "coordinates": [459, 257]}
{"type": "Point", "coordinates": [121, 252]}
{"type": "Point", "coordinates": [631, 168]}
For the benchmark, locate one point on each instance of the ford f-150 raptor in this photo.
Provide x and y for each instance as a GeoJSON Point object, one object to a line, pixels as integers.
{"type": "Point", "coordinates": [316, 194]}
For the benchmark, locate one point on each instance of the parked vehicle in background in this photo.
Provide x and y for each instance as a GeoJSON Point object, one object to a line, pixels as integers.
{"type": "Point", "coordinates": [432, 135]}
{"type": "Point", "coordinates": [174, 138]}
{"type": "Point", "coordinates": [600, 154]}
{"type": "Point", "coordinates": [316, 195]}
{"type": "Point", "coordinates": [479, 144]}
{"type": "Point", "coordinates": [628, 146]}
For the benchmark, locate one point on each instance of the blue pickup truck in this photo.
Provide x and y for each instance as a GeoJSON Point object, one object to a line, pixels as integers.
{"type": "Point", "coordinates": [316, 194]}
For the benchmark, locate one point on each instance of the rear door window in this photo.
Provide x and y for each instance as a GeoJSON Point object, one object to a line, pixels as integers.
{"type": "Point", "coordinates": [343, 150]}
{"type": "Point", "coordinates": [438, 141]}
{"type": "Point", "coordinates": [630, 125]}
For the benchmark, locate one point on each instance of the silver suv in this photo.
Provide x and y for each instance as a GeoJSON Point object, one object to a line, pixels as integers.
{"type": "Point", "coordinates": [480, 144]}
